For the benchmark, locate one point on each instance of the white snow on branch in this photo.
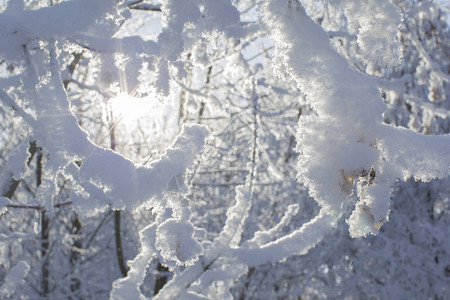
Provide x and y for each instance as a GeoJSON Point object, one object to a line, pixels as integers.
{"type": "Point", "coordinates": [298, 242]}
{"type": "Point", "coordinates": [126, 185]}
{"type": "Point", "coordinates": [14, 279]}
{"type": "Point", "coordinates": [105, 174]}
{"type": "Point", "coordinates": [262, 237]}
{"type": "Point", "coordinates": [4, 202]}
{"type": "Point", "coordinates": [346, 142]}
{"type": "Point", "coordinates": [128, 287]}
{"type": "Point", "coordinates": [176, 243]}
{"type": "Point", "coordinates": [376, 23]}
{"type": "Point", "coordinates": [58, 20]}
{"type": "Point", "coordinates": [17, 161]}
{"type": "Point", "coordinates": [229, 236]}
{"type": "Point", "coordinates": [236, 217]}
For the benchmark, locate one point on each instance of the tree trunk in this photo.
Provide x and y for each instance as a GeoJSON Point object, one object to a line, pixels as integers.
{"type": "Point", "coordinates": [44, 234]}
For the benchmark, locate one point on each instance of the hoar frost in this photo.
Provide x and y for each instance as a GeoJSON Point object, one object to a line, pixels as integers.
{"type": "Point", "coordinates": [347, 142]}
{"type": "Point", "coordinates": [175, 241]}
{"type": "Point", "coordinates": [14, 279]}
{"type": "Point", "coordinates": [345, 148]}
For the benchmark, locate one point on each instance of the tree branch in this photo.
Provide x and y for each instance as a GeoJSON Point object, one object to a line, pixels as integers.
{"type": "Point", "coordinates": [139, 5]}
{"type": "Point", "coordinates": [119, 249]}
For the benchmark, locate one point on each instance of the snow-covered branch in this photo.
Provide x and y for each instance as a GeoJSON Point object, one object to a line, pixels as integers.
{"type": "Point", "coordinates": [352, 137]}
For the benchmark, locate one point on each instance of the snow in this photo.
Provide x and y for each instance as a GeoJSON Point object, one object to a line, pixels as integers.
{"type": "Point", "coordinates": [126, 185]}
{"type": "Point", "coordinates": [42, 22]}
{"type": "Point", "coordinates": [17, 161]}
{"type": "Point", "coordinates": [349, 158]}
{"type": "Point", "coordinates": [19, 27]}
{"type": "Point", "coordinates": [298, 242]}
{"type": "Point", "coordinates": [175, 241]}
{"type": "Point", "coordinates": [14, 279]}
{"type": "Point", "coordinates": [263, 237]}
{"type": "Point", "coordinates": [347, 138]}
{"type": "Point", "coordinates": [377, 24]}
{"type": "Point", "coordinates": [236, 216]}
{"type": "Point", "coordinates": [128, 287]}
{"type": "Point", "coordinates": [4, 202]}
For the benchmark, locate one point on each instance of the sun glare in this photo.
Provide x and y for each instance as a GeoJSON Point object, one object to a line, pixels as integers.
{"type": "Point", "coordinates": [143, 116]}
{"type": "Point", "coordinates": [128, 108]}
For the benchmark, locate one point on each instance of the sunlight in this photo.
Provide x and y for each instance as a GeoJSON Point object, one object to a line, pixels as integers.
{"type": "Point", "coordinates": [131, 115]}
{"type": "Point", "coordinates": [129, 108]}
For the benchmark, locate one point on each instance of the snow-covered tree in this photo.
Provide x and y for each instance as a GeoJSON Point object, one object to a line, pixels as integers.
{"type": "Point", "coordinates": [172, 148]}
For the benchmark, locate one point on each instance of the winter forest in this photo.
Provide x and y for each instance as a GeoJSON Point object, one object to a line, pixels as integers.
{"type": "Point", "coordinates": [224, 149]}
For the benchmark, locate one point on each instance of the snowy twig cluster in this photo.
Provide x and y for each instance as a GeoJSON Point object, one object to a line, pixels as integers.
{"type": "Point", "coordinates": [346, 150]}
